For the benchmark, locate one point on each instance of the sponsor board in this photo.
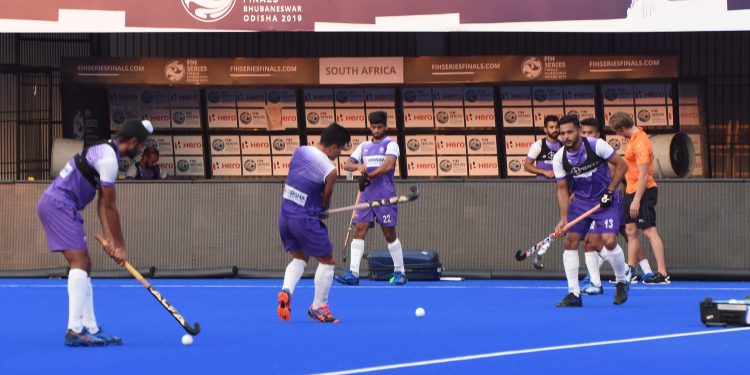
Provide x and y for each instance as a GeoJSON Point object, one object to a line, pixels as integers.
{"type": "Point", "coordinates": [184, 98]}
{"type": "Point", "coordinates": [416, 97]}
{"type": "Point", "coordinates": [255, 145]}
{"type": "Point", "coordinates": [452, 166]}
{"type": "Point", "coordinates": [286, 97]}
{"type": "Point", "coordinates": [163, 143]}
{"type": "Point", "coordinates": [423, 144]}
{"type": "Point", "coordinates": [252, 118]}
{"type": "Point", "coordinates": [153, 97]}
{"type": "Point", "coordinates": [419, 118]}
{"type": "Point", "coordinates": [449, 117]}
{"type": "Point", "coordinates": [619, 143]}
{"type": "Point", "coordinates": [318, 97]}
{"type": "Point", "coordinates": [125, 97]}
{"type": "Point", "coordinates": [447, 96]}
{"type": "Point", "coordinates": [251, 97]}
{"type": "Point", "coordinates": [226, 166]}
{"type": "Point", "coordinates": [518, 117]}
{"type": "Point", "coordinates": [186, 118]}
{"type": "Point", "coordinates": [518, 144]}
{"type": "Point", "coordinates": [690, 115]}
{"type": "Point", "coordinates": [515, 167]}
{"type": "Point", "coordinates": [541, 112]}
{"type": "Point", "coordinates": [220, 97]}
{"type": "Point", "coordinates": [380, 97]}
{"type": "Point", "coordinates": [319, 118]}
{"type": "Point", "coordinates": [483, 166]}
{"type": "Point", "coordinates": [225, 145]}
{"type": "Point", "coordinates": [651, 116]}
{"type": "Point", "coordinates": [284, 144]}
{"type": "Point", "coordinates": [222, 117]}
{"type": "Point", "coordinates": [187, 144]}
{"type": "Point", "coordinates": [391, 112]}
{"type": "Point", "coordinates": [479, 96]}
{"type": "Point", "coordinates": [579, 95]}
{"type": "Point", "coordinates": [189, 166]}
{"type": "Point", "coordinates": [617, 94]}
{"type": "Point", "coordinates": [256, 166]}
{"type": "Point", "coordinates": [425, 166]}
{"type": "Point", "coordinates": [121, 115]}
{"type": "Point", "coordinates": [280, 165]}
{"type": "Point", "coordinates": [349, 97]}
{"type": "Point", "coordinates": [547, 95]}
{"type": "Point", "coordinates": [479, 117]}
{"type": "Point", "coordinates": [166, 164]}
{"type": "Point", "coordinates": [159, 117]}
{"type": "Point", "coordinates": [357, 70]}
{"type": "Point", "coordinates": [515, 96]}
{"type": "Point", "coordinates": [581, 112]}
{"type": "Point", "coordinates": [477, 144]}
{"type": "Point", "coordinates": [289, 118]}
{"type": "Point", "coordinates": [353, 118]}
{"type": "Point", "coordinates": [653, 93]}
{"type": "Point", "coordinates": [609, 111]}
{"type": "Point", "coordinates": [450, 144]}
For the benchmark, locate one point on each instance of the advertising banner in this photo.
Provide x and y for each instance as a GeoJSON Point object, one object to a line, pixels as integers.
{"type": "Point", "coordinates": [483, 166]}
{"type": "Point", "coordinates": [255, 145]}
{"type": "Point", "coordinates": [188, 145]}
{"type": "Point", "coordinates": [256, 166]}
{"type": "Point", "coordinates": [452, 166]}
{"type": "Point", "coordinates": [420, 144]}
{"type": "Point", "coordinates": [421, 166]}
{"type": "Point", "coordinates": [226, 166]}
{"type": "Point", "coordinates": [479, 117]}
{"type": "Point", "coordinates": [225, 145]}
{"type": "Point", "coordinates": [481, 144]}
{"type": "Point", "coordinates": [451, 144]}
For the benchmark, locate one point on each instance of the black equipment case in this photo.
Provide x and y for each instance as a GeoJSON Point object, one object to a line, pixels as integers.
{"type": "Point", "coordinates": [726, 313]}
{"type": "Point", "coordinates": [420, 265]}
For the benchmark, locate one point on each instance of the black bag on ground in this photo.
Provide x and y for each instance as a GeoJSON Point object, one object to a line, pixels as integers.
{"type": "Point", "coordinates": [419, 265]}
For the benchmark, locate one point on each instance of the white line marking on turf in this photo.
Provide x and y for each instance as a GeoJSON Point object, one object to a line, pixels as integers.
{"type": "Point", "coordinates": [532, 350]}
{"type": "Point", "coordinates": [277, 286]}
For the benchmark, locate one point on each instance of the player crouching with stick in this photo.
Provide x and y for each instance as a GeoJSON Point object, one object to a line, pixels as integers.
{"type": "Point", "coordinates": [581, 168]}
{"type": "Point", "coordinates": [306, 197]}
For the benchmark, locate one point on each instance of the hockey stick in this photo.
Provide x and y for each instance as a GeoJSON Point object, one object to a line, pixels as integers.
{"type": "Point", "coordinates": [349, 229]}
{"type": "Point", "coordinates": [194, 330]}
{"type": "Point", "coordinates": [409, 197]}
{"type": "Point", "coordinates": [521, 255]}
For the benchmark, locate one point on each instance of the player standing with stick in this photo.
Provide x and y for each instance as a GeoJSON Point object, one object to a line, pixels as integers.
{"type": "Point", "coordinates": [581, 168]}
{"type": "Point", "coordinates": [306, 197]}
{"type": "Point", "coordinates": [93, 170]}
{"type": "Point", "coordinates": [376, 160]}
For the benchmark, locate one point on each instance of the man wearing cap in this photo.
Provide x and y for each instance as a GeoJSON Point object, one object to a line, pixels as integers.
{"type": "Point", "coordinates": [93, 169]}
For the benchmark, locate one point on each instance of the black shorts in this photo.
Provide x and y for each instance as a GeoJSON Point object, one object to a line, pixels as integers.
{"type": "Point", "coordinates": [647, 215]}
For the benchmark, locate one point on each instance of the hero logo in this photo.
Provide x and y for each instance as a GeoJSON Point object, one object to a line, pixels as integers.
{"type": "Point", "coordinates": [208, 10]}
{"type": "Point", "coordinates": [518, 144]}
{"type": "Point", "coordinates": [174, 71]}
{"type": "Point", "coordinates": [188, 145]}
{"type": "Point", "coordinates": [483, 165]}
{"type": "Point", "coordinates": [248, 145]}
{"type": "Point", "coordinates": [459, 144]}
{"type": "Point", "coordinates": [158, 118]}
{"type": "Point", "coordinates": [428, 165]}
{"type": "Point", "coordinates": [480, 116]}
{"type": "Point", "coordinates": [217, 117]}
{"type": "Point", "coordinates": [343, 117]}
{"type": "Point", "coordinates": [419, 116]}
{"type": "Point", "coordinates": [228, 165]}
{"type": "Point", "coordinates": [289, 118]}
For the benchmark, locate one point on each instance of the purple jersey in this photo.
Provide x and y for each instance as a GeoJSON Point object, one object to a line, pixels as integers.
{"type": "Point", "coordinates": [542, 152]}
{"type": "Point", "coordinates": [373, 155]}
{"type": "Point", "coordinates": [587, 168]}
{"type": "Point", "coordinates": [303, 191]}
{"type": "Point", "coordinates": [72, 187]}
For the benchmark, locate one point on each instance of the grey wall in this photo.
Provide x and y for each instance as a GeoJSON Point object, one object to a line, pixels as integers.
{"type": "Point", "coordinates": [474, 225]}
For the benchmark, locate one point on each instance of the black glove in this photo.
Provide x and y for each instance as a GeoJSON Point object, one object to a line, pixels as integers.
{"type": "Point", "coordinates": [364, 181]}
{"type": "Point", "coordinates": [606, 200]}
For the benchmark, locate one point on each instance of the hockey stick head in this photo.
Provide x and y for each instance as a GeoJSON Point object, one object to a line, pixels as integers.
{"type": "Point", "coordinates": [194, 330]}
{"type": "Point", "coordinates": [520, 255]}
{"type": "Point", "coordinates": [413, 193]}
{"type": "Point", "coordinates": [538, 262]}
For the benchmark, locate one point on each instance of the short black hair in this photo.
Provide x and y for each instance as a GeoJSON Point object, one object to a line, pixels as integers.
{"type": "Point", "coordinates": [378, 117]}
{"type": "Point", "coordinates": [570, 119]}
{"type": "Point", "coordinates": [151, 151]}
{"type": "Point", "coordinates": [549, 118]}
{"type": "Point", "coordinates": [132, 129]}
{"type": "Point", "coordinates": [591, 122]}
{"type": "Point", "coordinates": [335, 134]}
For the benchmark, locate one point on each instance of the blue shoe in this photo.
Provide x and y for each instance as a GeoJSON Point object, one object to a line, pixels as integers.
{"type": "Point", "coordinates": [347, 279]}
{"type": "Point", "coordinates": [82, 339]}
{"type": "Point", "coordinates": [592, 290]}
{"type": "Point", "coordinates": [106, 337]}
{"type": "Point", "coordinates": [398, 278]}
{"type": "Point", "coordinates": [632, 275]}
{"type": "Point", "coordinates": [646, 277]}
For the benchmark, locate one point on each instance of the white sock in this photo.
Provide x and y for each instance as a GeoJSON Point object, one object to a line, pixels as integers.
{"type": "Point", "coordinates": [323, 280]}
{"type": "Point", "coordinates": [293, 273]}
{"type": "Point", "coordinates": [592, 264]}
{"type": "Point", "coordinates": [77, 285]}
{"type": "Point", "coordinates": [397, 255]}
{"type": "Point", "coordinates": [570, 261]}
{"type": "Point", "coordinates": [616, 258]}
{"type": "Point", "coordinates": [89, 319]}
{"type": "Point", "coordinates": [645, 266]}
{"type": "Point", "coordinates": [600, 259]}
{"type": "Point", "coordinates": [358, 250]}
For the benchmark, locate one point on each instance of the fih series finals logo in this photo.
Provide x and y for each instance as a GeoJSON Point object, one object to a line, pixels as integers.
{"type": "Point", "coordinates": [208, 10]}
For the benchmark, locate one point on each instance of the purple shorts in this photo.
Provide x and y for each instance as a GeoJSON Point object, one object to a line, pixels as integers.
{"type": "Point", "coordinates": [604, 220]}
{"type": "Point", "coordinates": [62, 223]}
{"type": "Point", "coordinates": [386, 216]}
{"type": "Point", "coordinates": [307, 234]}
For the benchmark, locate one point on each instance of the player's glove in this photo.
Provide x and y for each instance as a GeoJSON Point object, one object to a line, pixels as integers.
{"type": "Point", "coordinates": [364, 181]}
{"type": "Point", "coordinates": [606, 200]}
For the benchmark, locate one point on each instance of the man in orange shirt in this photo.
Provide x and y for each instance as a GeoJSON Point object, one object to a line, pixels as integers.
{"type": "Point", "coordinates": [640, 195]}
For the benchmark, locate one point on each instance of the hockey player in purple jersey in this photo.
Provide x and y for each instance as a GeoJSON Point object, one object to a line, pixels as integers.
{"type": "Point", "coordinates": [93, 170]}
{"type": "Point", "coordinates": [539, 158]}
{"type": "Point", "coordinates": [376, 161]}
{"type": "Point", "coordinates": [307, 194]}
{"type": "Point", "coordinates": [581, 168]}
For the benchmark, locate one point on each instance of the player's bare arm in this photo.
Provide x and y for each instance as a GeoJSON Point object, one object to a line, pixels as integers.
{"type": "Point", "coordinates": [110, 220]}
